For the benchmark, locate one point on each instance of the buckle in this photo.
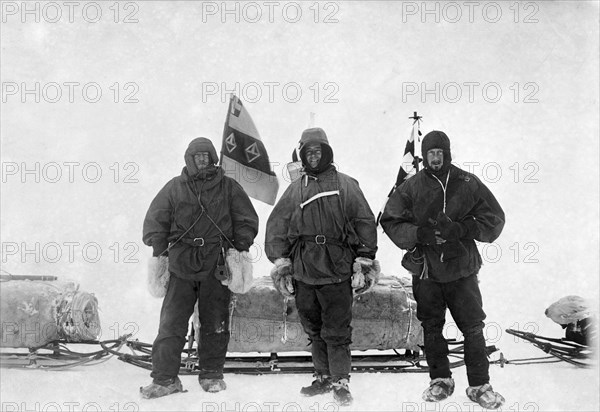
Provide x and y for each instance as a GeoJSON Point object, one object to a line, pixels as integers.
{"type": "Point", "coordinates": [318, 242]}
{"type": "Point", "coordinates": [201, 239]}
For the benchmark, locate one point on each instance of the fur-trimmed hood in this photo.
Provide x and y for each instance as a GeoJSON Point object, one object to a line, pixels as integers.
{"type": "Point", "coordinates": [316, 135]}
{"type": "Point", "coordinates": [199, 144]}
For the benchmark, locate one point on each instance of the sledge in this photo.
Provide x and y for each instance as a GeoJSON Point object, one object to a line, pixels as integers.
{"type": "Point", "coordinates": [560, 349]}
{"type": "Point", "coordinates": [267, 337]}
{"type": "Point", "coordinates": [140, 354]}
{"type": "Point", "coordinates": [56, 355]}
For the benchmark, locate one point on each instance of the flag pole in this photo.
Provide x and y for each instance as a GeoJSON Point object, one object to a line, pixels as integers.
{"type": "Point", "coordinates": [311, 122]}
{"type": "Point", "coordinates": [417, 119]}
{"type": "Point", "coordinates": [409, 153]}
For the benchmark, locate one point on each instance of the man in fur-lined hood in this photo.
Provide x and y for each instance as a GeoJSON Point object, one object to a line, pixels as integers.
{"type": "Point", "coordinates": [321, 236]}
{"type": "Point", "coordinates": [198, 219]}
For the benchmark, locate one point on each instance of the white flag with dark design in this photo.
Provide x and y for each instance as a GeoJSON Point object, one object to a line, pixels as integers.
{"type": "Point", "coordinates": [244, 157]}
{"type": "Point", "coordinates": [410, 163]}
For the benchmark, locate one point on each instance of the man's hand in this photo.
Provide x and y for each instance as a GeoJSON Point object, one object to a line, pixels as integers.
{"type": "Point", "coordinates": [450, 230]}
{"type": "Point", "coordinates": [427, 235]}
{"type": "Point", "coordinates": [365, 274]}
{"type": "Point", "coordinates": [281, 274]}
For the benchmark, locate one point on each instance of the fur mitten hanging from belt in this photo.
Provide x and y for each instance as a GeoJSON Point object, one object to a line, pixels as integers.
{"type": "Point", "coordinates": [365, 274]}
{"type": "Point", "coordinates": [158, 276]}
{"type": "Point", "coordinates": [239, 268]}
{"type": "Point", "coordinates": [281, 274]}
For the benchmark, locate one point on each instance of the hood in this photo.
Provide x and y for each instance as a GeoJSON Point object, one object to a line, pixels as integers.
{"type": "Point", "coordinates": [316, 135]}
{"type": "Point", "coordinates": [199, 144]}
{"type": "Point", "coordinates": [437, 140]}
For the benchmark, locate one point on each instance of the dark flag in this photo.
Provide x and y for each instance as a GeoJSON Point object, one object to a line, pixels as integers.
{"type": "Point", "coordinates": [244, 157]}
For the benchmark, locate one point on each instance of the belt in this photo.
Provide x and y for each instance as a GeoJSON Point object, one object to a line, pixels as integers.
{"type": "Point", "coordinates": [200, 241]}
{"type": "Point", "coordinates": [321, 240]}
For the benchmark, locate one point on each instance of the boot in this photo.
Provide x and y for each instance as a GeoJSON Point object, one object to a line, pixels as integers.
{"type": "Point", "coordinates": [439, 389]}
{"type": "Point", "coordinates": [158, 388]}
{"type": "Point", "coordinates": [212, 385]}
{"type": "Point", "coordinates": [319, 386]}
{"type": "Point", "coordinates": [341, 392]}
{"type": "Point", "coordinates": [485, 396]}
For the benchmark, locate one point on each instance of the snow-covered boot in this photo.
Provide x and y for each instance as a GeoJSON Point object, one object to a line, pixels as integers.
{"type": "Point", "coordinates": [159, 388]}
{"type": "Point", "coordinates": [439, 389]}
{"type": "Point", "coordinates": [341, 392]}
{"type": "Point", "coordinates": [485, 396]}
{"type": "Point", "coordinates": [319, 386]}
{"type": "Point", "coordinates": [213, 385]}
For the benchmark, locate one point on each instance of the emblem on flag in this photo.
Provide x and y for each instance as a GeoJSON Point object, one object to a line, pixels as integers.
{"type": "Point", "coordinates": [230, 143]}
{"type": "Point", "coordinates": [252, 152]}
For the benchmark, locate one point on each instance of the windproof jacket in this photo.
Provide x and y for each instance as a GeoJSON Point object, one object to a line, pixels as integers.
{"type": "Point", "coordinates": [182, 200]}
{"type": "Point", "coordinates": [322, 222]}
{"type": "Point", "coordinates": [417, 202]}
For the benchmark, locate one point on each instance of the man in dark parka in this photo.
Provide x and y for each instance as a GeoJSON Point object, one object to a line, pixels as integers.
{"type": "Point", "coordinates": [436, 216]}
{"type": "Point", "coordinates": [318, 229]}
{"type": "Point", "coordinates": [191, 219]}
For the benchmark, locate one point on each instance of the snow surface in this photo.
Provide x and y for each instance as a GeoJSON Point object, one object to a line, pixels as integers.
{"type": "Point", "coordinates": [540, 159]}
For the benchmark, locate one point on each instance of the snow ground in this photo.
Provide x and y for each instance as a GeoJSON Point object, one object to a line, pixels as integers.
{"type": "Point", "coordinates": [114, 385]}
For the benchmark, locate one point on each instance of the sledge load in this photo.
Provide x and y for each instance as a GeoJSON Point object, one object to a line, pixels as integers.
{"type": "Point", "coordinates": [34, 313]}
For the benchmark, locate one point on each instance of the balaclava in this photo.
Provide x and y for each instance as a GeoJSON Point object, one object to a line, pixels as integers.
{"type": "Point", "coordinates": [436, 140]}
{"type": "Point", "coordinates": [200, 144]}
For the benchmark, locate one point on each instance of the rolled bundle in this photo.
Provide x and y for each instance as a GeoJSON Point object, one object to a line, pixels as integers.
{"type": "Point", "coordinates": [383, 318]}
{"type": "Point", "coordinates": [34, 313]}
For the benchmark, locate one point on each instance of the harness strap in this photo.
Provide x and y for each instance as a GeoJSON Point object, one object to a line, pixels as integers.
{"type": "Point", "coordinates": [319, 195]}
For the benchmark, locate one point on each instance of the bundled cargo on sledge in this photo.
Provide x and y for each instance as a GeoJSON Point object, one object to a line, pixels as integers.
{"type": "Point", "coordinates": [34, 313]}
{"type": "Point", "coordinates": [383, 318]}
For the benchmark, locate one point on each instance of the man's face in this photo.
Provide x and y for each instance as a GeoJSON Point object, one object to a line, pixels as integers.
{"type": "Point", "coordinates": [202, 160]}
{"type": "Point", "coordinates": [435, 158]}
{"type": "Point", "coordinates": [313, 154]}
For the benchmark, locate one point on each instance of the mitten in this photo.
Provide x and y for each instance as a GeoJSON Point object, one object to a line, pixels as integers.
{"type": "Point", "coordinates": [426, 235]}
{"type": "Point", "coordinates": [365, 274]}
{"type": "Point", "coordinates": [158, 276]}
{"type": "Point", "coordinates": [281, 274]}
{"type": "Point", "coordinates": [450, 230]}
{"type": "Point", "coordinates": [239, 267]}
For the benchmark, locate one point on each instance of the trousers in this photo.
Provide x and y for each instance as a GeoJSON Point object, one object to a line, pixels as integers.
{"type": "Point", "coordinates": [177, 308]}
{"type": "Point", "coordinates": [325, 313]}
{"type": "Point", "coordinates": [463, 298]}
